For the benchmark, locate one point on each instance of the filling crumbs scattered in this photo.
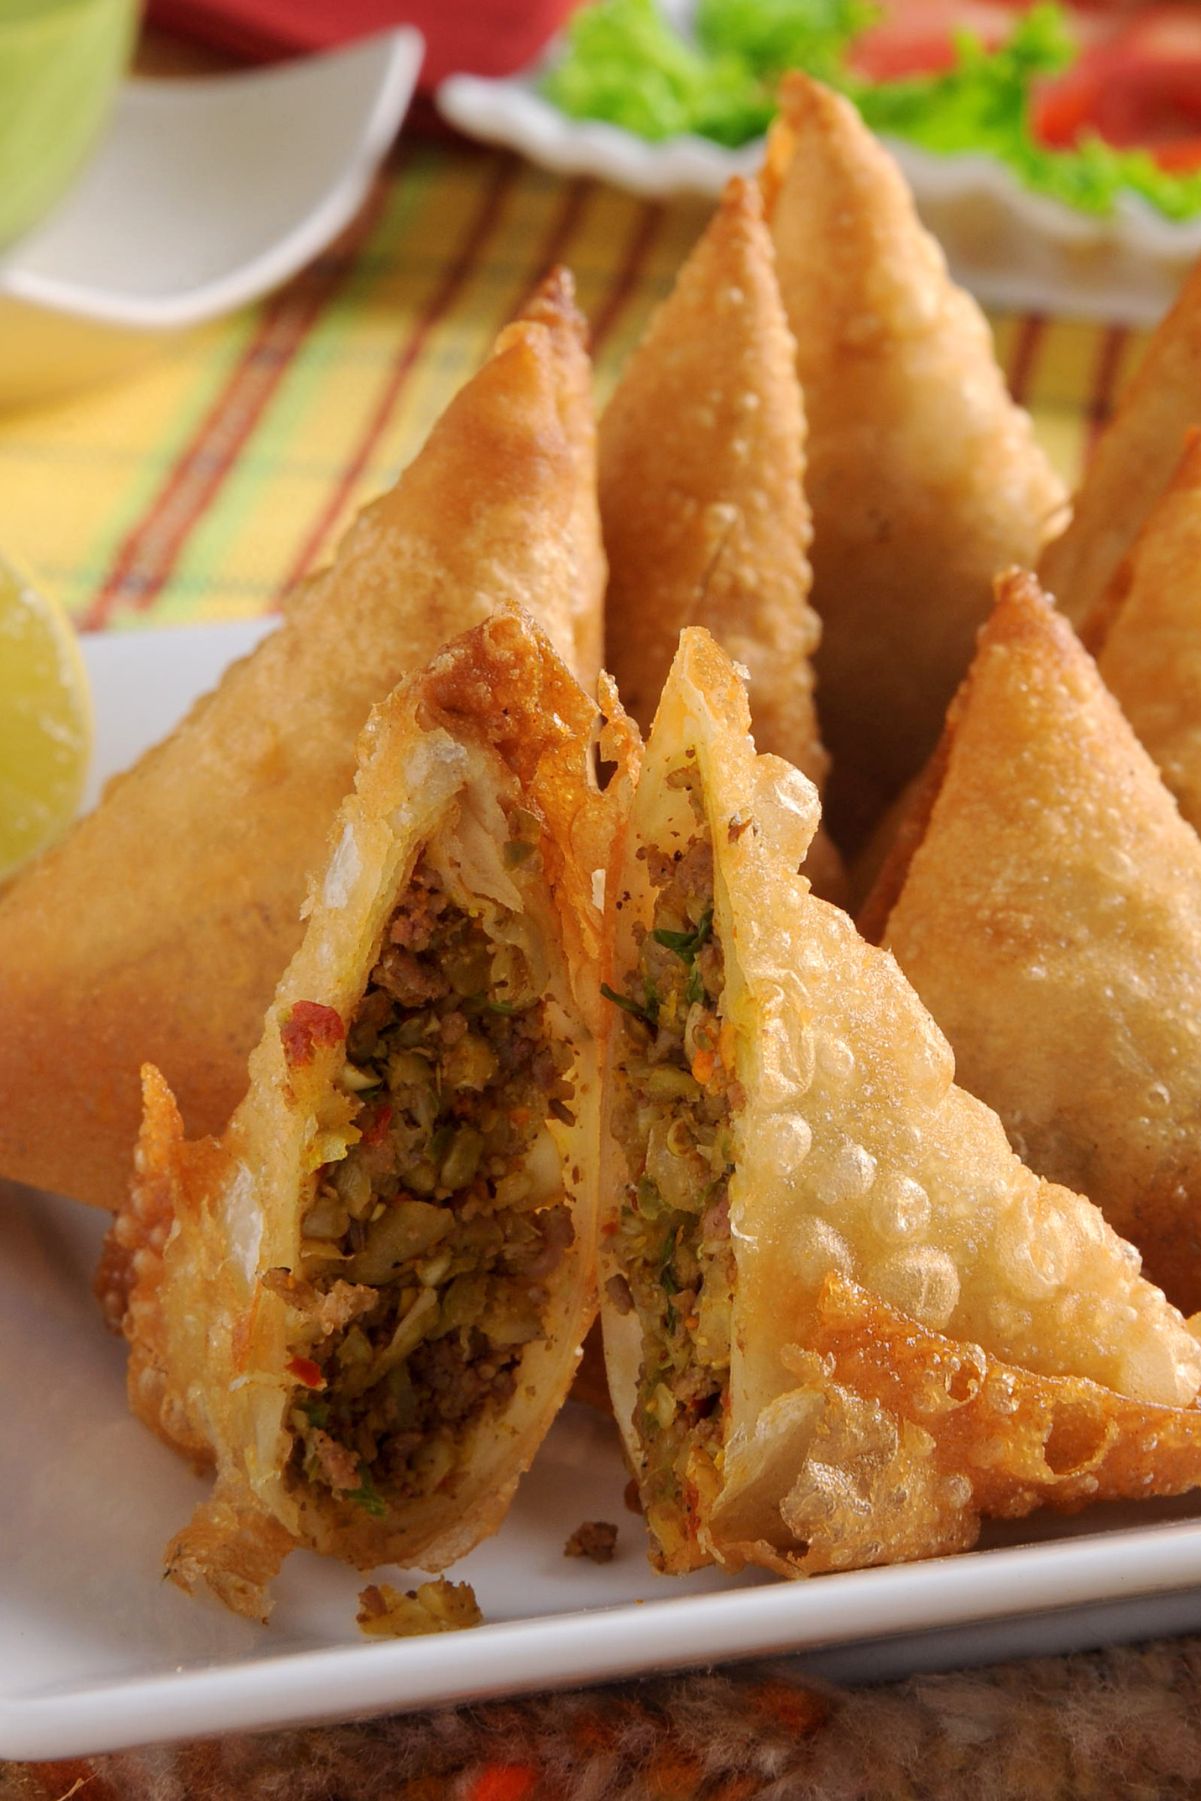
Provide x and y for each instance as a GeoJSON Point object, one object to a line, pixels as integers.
{"type": "Point", "coordinates": [595, 1539]}
{"type": "Point", "coordinates": [429, 1246]}
{"type": "Point", "coordinates": [673, 1244]}
{"type": "Point", "coordinates": [438, 1606]}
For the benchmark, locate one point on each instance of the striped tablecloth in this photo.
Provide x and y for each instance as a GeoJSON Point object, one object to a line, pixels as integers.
{"type": "Point", "coordinates": [209, 479]}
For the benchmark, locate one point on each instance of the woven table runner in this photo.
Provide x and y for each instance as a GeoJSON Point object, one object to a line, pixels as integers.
{"type": "Point", "coordinates": [225, 466]}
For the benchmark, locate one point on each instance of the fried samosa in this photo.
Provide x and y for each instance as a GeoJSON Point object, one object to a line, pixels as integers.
{"type": "Point", "coordinates": [196, 861]}
{"type": "Point", "coordinates": [842, 1320]}
{"type": "Point", "coordinates": [1146, 634]}
{"type": "Point", "coordinates": [923, 475]}
{"type": "Point", "coordinates": [365, 1303]}
{"type": "Point", "coordinates": [701, 470]}
{"type": "Point", "coordinates": [1133, 461]}
{"type": "Point", "coordinates": [702, 500]}
{"type": "Point", "coordinates": [1045, 902]}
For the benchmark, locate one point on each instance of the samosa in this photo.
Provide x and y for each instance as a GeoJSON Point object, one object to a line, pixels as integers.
{"type": "Point", "coordinates": [1146, 634]}
{"type": "Point", "coordinates": [1133, 461]}
{"type": "Point", "coordinates": [365, 1303]}
{"type": "Point", "coordinates": [702, 501]}
{"type": "Point", "coordinates": [842, 1320]}
{"type": "Point", "coordinates": [923, 475]}
{"type": "Point", "coordinates": [157, 930]}
{"type": "Point", "coordinates": [701, 469]}
{"type": "Point", "coordinates": [1045, 902]}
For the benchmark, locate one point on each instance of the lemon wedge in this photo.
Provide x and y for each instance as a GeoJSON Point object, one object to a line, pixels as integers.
{"type": "Point", "coordinates": [45, 720]}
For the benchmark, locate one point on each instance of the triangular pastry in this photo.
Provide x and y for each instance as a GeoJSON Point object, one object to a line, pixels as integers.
{"type": "Point", "coordinates": [1133, 461]}
{"type": "Point", "coordinates": [1146, 634]}
{"type": "Point", "coordinates": [923, 476]}
{"type": "Point", "coordinates": [365, 1303]}
{"type": "Point", "coordinates": [702, 500]}
{"type": "Point", "coordinates": [158, 929]}
{"type": "Point", "coordinates": [1045, 902]}
{"type": "Point", "coordinates": [842, 1320]}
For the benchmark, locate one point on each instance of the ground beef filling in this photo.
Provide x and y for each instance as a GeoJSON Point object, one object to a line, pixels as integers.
{"type": "Point", "coordinates": [673, 1118]}
{"type": "Point", "coordinates": [428, 1248]}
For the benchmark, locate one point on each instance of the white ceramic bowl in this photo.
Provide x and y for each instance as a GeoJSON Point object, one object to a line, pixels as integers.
{"type": "Point", "coordinates": [205, 194]}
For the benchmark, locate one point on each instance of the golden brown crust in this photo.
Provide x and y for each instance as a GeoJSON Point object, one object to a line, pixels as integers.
{"type": "Point", "coordinates": [1050, 918]}
{"type": "Point", "coordinates": [701, 475]}
{"type": "Point", "coordinates": [1133, 460]}
{"type": "Point", "coordinates": [923, 476]}
{"type": "Point", "coordinates": [955, 1436]}
{"type": "Point", "coordinates": [553, 305]}
{"type": "Point", "coordinates": [198, 858]}
{"type": "Point", "coordinates": [234, 1547]}
{"type": "Point", "coordinates": [1145, 633]}
{"type": "Point", "coordinates": [211, 1322]}
{"type": "Point", "coordinates": [703, 507]}
{"type": "Point", "coordinates": [857, 1156]}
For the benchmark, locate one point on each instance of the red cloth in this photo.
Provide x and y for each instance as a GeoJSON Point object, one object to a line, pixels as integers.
{"type": "Point", "coordinates": [483, 37]}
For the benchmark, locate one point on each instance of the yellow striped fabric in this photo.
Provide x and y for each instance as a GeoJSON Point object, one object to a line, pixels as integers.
{"type": "Point", "coordinates": [207, 480]}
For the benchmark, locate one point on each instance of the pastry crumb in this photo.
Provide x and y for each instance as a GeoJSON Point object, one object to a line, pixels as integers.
{"type": "Point", "coordinates": [595, 1540]}
{"type": "Point", "coordinates": [439, 1606]}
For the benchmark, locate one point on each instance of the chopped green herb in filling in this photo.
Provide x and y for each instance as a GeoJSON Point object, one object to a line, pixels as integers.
{"type": "Point", "coordinates": [429, 1247]}
{"type": "Point", "coordinates": [676, 1098]}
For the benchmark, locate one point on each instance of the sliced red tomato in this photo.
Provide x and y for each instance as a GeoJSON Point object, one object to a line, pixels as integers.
{"type": "Point", "coordinates": [1140, 87]}
{"type": "Point", "coordinates": [917, 37]}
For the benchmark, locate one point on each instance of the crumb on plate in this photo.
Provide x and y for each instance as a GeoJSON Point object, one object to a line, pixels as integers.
{"type": "Point", "coordinates": [439, 1606]}
{"type": "Point", "coordinates": [595, 1539]}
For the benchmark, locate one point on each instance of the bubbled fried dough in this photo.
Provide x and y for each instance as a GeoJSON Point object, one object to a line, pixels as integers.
{"type": "Point", "coordinates": [224, 823]}
{"type": "Point", "coordinates": [856, 1157]}
{"type": "Point", "coordinates": [702, 497]}
{"type": "Point", "coordinates": [703, 508]}
{"type": "Point", "coordinates": [923, 476]}
{"type": "Point", "coordinates": [1132, 463]}
{"type": "Point", "coordinates": [1047, 908]}
{"type": "Point", "coordinates": [1146, 634]}
{"type": "Point", "coordinates": [365, 1302]}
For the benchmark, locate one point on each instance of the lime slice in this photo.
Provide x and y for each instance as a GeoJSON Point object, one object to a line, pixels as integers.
{"type": "Point", "coordinates": [45, 720]}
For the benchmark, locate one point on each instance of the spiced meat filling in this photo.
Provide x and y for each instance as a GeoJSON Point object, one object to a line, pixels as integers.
{"type": "Point", "coordinates": [676, 1095]}
{"type": "Point", "coordinates": [429, 1246]}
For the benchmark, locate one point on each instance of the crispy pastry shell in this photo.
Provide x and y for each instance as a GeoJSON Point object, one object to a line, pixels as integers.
{"type": "Point", "coordinates": [1146, 634]}
{"type": "Point", "coordinates": [874, 1204]}
{"type": "Point", "coordinates": [1133, 461]}
{"type": "Point", "coordinates": [184, 1269]}
{"type": "Point", "coordinates": [1045, 902]}
{"type": "Point", "coordinates": [198, 858]}
{"type": "Point", "coordinates": [923, 476]}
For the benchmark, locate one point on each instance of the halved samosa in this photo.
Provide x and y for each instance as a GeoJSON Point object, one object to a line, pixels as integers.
{"type": "Point", "coordinates": [365, 1303]}
{"type": "Point", "coordinates": [1046, 905]}
{"type": "Point", "coordinates": [1133, 461]}
{"type": "Point", "coordinates": [923, 476]}
{"type": "Point", "coordinates": [1146, 634]}
{"type": "Point", "coordinates": [842, 1320]}
{"type": "Point", "coordinates": [197, 860]}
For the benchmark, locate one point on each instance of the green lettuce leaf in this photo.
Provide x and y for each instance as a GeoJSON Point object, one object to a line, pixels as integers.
{"type": "Point", "coordinates": [625, 64]}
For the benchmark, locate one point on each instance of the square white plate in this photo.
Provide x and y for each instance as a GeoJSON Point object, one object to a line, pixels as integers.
{"type": "Point", "coordinates": [97, 1652]}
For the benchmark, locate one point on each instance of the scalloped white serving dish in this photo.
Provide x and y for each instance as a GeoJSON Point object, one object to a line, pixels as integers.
{"type": "Point", "coordinates": [97, 1652]}
{"type": "Point", "coordinates": [1014, 249]}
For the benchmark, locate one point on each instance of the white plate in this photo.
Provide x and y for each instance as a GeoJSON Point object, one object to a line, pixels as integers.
{"type": "Point", "coordinates": [205, 194]}
{"type": "Point", "coordinates": [1012, 248]}
{"type": "Point", "coordinates": [97, 1652]}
